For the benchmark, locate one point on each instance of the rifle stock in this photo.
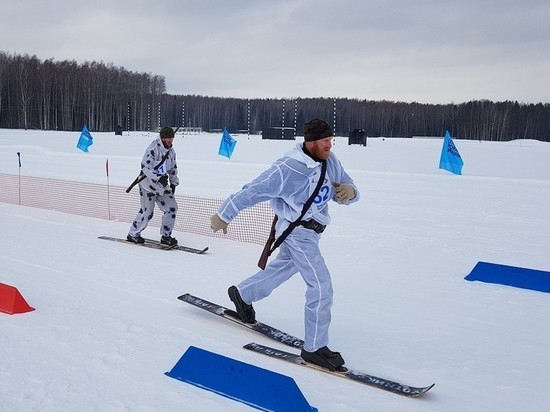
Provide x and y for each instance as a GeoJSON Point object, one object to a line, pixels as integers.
{"type": "Point", "coordinates": [262, 262]}
{"type": "Point", "coordinates": [135, 182]}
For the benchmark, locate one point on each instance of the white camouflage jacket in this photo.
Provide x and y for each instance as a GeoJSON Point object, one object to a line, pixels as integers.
{"type": "Point", "coordinates": [287, 184]}
{"type": "Point", "coordinates": [152, 157]}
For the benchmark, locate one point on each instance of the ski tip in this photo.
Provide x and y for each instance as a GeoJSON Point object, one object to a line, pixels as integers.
{"type": "Point", "coordinates": [420, 391]}
{"type": "Point", "coordinates": [191, 249]}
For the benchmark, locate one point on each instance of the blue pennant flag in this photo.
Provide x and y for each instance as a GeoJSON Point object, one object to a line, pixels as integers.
{"type": "Point", "coordinates": [85, 140]}
{"type": "Point", "coordinates": [227, 144]}
{"type": "Point", "coordinates": [450, 158]}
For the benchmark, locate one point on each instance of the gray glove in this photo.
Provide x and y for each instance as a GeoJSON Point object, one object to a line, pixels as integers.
{"type": "Point", "coordinates": [216, 224]}
{"type": "Point", "coordinates": [344, 192]}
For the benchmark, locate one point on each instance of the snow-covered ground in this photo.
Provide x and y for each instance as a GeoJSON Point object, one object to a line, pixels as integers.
{"type": "Point", "coordinates": [107, 324]}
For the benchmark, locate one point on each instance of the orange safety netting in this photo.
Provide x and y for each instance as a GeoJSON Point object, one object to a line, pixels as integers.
{"type": "Point", "coordinates": [113, 203]}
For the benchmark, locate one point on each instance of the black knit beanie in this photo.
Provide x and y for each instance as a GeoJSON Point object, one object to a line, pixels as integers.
{"type": "Point", "coordinates": [316, 129]}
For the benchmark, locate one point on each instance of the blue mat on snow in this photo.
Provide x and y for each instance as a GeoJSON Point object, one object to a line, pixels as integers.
{"type": "Point", "coordinates": [511, 276]}
{"type": "Point", "coordinates": [257, 387]}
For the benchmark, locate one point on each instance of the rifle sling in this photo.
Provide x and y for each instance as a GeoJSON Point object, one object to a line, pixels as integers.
{"type": "Point", "coordinates": [307, 205]}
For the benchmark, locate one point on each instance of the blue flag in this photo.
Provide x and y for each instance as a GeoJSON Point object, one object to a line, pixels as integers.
{"type": "Point", "coordinates": [85, 140]}
{"type": "Point", "coordinates": [450, 158]}
{"type": "Point", "coordinates": [227, 144]}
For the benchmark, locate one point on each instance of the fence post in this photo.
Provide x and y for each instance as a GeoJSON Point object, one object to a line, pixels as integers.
{"type": "Point", "coordinates": [108, 190]}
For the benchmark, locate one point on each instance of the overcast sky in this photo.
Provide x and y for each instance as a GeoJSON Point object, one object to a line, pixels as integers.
{"type": "Point", "coordinates": [429, 51]}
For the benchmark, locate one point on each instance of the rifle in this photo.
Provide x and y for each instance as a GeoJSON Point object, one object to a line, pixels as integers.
{"type": "Point", "coordinates": [267, 248]}
{"type": "Point", "coordinates": [142, 176]}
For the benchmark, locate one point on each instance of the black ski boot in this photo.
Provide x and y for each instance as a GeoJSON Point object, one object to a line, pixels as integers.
{"type": "Point", "coordinates": [244, 310]}
{"type": "Point", "coordinates": [135, 239]}
{"type": "Point", "coordinates": [168, 241]}
{"type": "Point", "coordinates": [325, 358]}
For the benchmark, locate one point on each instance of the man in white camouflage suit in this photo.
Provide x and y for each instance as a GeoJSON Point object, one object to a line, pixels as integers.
{"type": "Point", "coordinates": [159, 178]}
{"type": "Point", "coordinates": [288, 184]}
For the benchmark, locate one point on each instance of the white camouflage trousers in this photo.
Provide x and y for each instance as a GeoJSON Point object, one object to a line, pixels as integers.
{"type": "Point", "coordinates": [299, 253]}
{"type": "Point", "coordinates": [167, 205]}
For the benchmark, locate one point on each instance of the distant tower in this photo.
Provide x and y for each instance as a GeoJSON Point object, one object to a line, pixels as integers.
{"type": "Point", "coordinates": [295, 116]}
{"type": "Point", "coordinates": [283, 121]}
{"type": "Point", "coordinates": [183, 114]}
{"type": "Point", "coordinates": [159, 118]}
{"type": "Point", "coordinates": [334, 118]}
{"type": "Point", "coordinates": [248, 117]}
{"type": "Point", "coordinates": [128, 120]}
{"type": "Point", "coordinates": [148, 119]}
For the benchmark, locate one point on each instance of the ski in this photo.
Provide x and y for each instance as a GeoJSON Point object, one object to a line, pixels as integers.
{"type": "Point", "coordinates": [259, 327]}
{"type": "Point", "coordinates": [177, 247]}
{"type": "Point", "coordinates": [361, 377]}
{"type": "Point", "coordinates": [154, 244]}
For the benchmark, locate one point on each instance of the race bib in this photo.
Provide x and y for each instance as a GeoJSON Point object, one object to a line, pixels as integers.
{"type": "Point", "coordinates": [324, 192]}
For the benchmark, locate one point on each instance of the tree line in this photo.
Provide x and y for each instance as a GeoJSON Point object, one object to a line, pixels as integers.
{"type": "Point", "coordinates": [65, 95]}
